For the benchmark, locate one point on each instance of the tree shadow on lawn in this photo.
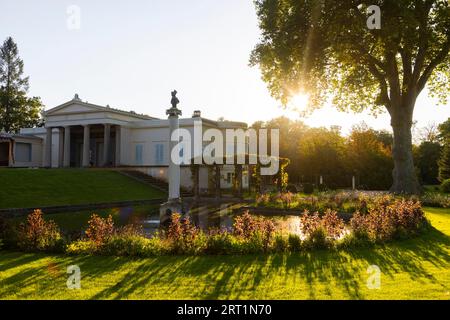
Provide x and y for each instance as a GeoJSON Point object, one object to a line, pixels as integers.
{"type": "Point", "coordinates": [47, 273]}
{"type": "Point", "coordinates": [318, 273]}
{"type": "Point", "coordinates": [253, 276]}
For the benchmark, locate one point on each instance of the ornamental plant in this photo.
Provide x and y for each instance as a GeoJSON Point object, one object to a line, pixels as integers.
{"type": "Point", "coordinates": [184, 236]}
{"type": "Point", "coordinates": [36, 234]}
{"type": "Point", "coordinates": [100, 230]}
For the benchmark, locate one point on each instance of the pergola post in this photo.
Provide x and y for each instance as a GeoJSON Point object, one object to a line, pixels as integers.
{"type": "Point", "coordinates": [217, 182]}
{"type": "Point", "coordinates": [238, 180]}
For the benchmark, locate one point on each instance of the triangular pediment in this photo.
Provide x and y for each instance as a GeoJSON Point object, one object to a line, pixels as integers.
{"type": "Point", "coordinates": [76, 106]}
{"type": "Point", "coordinates": [72, 107]}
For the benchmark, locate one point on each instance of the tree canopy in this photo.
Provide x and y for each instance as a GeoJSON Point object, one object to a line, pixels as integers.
{"type": "Point", "coordinates": [326, 49]}
{"type": "Point", "coordinates": [16, 109]}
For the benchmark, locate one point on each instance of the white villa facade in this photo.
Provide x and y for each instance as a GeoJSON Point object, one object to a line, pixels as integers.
{"type": "Point", "coordinates": [81, 134]}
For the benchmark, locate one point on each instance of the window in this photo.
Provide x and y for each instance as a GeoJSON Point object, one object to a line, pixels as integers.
{"type": "Point", "coordinates": [138, 155]}
{"type": "Point", "coordinates": [23, 152]}
{"type": "Point", "coordinates": [230, 176]}
{"type": "Point", "coordinates": [159, 153]}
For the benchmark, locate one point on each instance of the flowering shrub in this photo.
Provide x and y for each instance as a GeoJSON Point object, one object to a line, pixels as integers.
{"type": "Point", "coordinates": [436, 200]}
{"type": "Point", "coordinates": [398, 219]}
{"type": "Point", "coordinates": [262, 199]}
{"type": "Point", "coordinates": [319, 232]}
{"type": "Point", "coordinates": [36, 234]}
{"type": "Point", "coordinates": [184, 236]}
{"type": "Point", "coordinates": [333, 225]}
{"type": "Point", "coordinates": [286, 199]}
{"type": "Point", "coordinates": [100, 229]}
{"type": "Point", "coordinates": [386, 218]}
{"type": "Point", "coordinates": [254, 229]}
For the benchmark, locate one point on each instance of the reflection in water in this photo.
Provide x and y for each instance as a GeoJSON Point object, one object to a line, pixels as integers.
{"type": "Point", "coordinates": [222, 217]}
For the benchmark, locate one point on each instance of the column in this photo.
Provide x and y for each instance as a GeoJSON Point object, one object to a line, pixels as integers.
{"type": "Point", "coordinates": [117, 157]}
{"type": "Point", "coordinates": [86, 145]}
{"type": "Point", "coordinates": [48, 149]}
{"type": "Point", "coordinates": [106, 143]}
{"type": "Point", "coordinates": [174, 168]}
{"type": "Point", "coordinates": [60, 147]}
{"type": "Point", "coordinates": [66, 160]}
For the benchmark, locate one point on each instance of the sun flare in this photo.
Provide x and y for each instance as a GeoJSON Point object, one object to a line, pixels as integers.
{"type": "Point", "coordinates": [299, 101]}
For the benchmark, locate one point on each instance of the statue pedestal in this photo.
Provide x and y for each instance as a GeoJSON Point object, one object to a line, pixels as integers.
{"type": "Point", "coordinates": [167, 209]}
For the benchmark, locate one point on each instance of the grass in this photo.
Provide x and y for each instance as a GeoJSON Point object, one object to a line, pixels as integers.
{"type": "Point", "coordinates": [77, 221]}
{"type": "Point", "coordinates": [412, 269]}
{"type": "Point", "coordinates": [68, 187]}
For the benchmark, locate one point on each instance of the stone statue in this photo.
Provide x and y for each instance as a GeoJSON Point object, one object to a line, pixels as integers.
{"type": "Point", "coordinates": [174, 100]}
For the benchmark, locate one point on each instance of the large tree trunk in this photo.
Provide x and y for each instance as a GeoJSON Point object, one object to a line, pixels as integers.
{"type": "Point", "coordinates": [404, 174]}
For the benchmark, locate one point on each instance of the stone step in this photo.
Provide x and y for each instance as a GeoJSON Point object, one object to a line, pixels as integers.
{"type": "Point", "coordinates": [157, 183]}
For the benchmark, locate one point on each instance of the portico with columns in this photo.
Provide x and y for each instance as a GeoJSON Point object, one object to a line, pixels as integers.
{"type": "Point", "coordinates": [83, 145]}
{"type": "Point", "coordinates": [81, 134]}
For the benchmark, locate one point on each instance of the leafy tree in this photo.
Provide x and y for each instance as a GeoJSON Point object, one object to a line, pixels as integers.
{"type": "Point", "coordinates": [291, 132]}
{"type": "Point", "coordinates": [444, 161]}
{"type": "Point", "coordinates": [16, 109]}
{"type": "Point", "coordinates": [426, 158]}
{"type": "Point", "coordinates": [325, 48]}
{"type": "Point", "coordinates": [368, 155]}
{"type": "Point", "coordinates": [321, 153]}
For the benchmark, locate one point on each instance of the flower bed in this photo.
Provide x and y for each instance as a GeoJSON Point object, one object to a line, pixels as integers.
{"type": "Point", "coordinates": [385, 220]}
{"type": "Point", "coordinates": [341, 201]}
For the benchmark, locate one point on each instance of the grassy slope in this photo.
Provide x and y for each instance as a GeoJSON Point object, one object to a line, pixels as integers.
{"type": "Point", "coordinates": [68, 186]}
{"type": "Point", "coordinates": [418, 268]}
{"type": "Point", "coordinates": [77, 221]}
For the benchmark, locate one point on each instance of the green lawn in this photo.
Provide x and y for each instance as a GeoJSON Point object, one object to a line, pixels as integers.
{"type": "Point", "coordinates": [412, 269]}
{"type": "Point", "coordinates": [68, 186]}
{"type": "Point", "coordinates": [77, 221]}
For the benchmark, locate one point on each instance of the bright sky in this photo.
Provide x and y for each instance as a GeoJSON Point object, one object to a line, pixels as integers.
{"type": "Point", "coordinates": [132, 54]}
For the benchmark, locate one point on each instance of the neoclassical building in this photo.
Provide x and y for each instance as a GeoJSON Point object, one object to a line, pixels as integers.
{"type": "Point", "coordinates": [82, 134]}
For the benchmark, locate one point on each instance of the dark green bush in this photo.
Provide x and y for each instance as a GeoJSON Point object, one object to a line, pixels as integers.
{"type": "Point", "coordinates": [8, 234]}
{"type": "Point", "coordinates": [318, 239]}
{"type": "Point", "coordinates": [280, 243]}
{"type": "Point", "coordinates": [294, 242]}
{"type": "Point", "coordinates": [291, 188]}
{"type": "Point", "coordinates": [308, 188]}
{"type": "Point", "coordinates": [220, 243]}
{"type": "Point", "coordinates": [445, 186]}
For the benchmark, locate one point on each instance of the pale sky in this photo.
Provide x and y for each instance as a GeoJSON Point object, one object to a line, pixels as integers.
{"type": "Point", "coordinates": [132, 54]}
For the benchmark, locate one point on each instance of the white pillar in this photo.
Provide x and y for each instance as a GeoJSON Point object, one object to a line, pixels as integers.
{"type": "Point", "coordinates": [60, 147]}
{"type": "Point", "coordinates": [174, 168]}
{"type": "Point", "coordinates": [86, 145]}
{"type": "Point", "coordinates": [106, 143]}
{"type": "Point", "coordinates": [66, 160]}
{"type": "Point", "coordinates": [48, 149]}
{"type": "Point", "coordinates": [117, 157]}
{"type": "Point", "coordinates": [353, 183]}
